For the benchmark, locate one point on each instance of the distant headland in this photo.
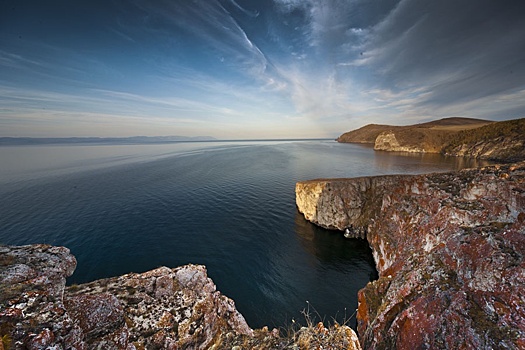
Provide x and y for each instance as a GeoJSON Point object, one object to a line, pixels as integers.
{"type": "Point", "coordinates": [476, 138]}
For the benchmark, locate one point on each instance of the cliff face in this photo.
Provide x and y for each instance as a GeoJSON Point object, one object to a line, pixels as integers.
{"type": "Point", "coordinates": [428, 137]}
{"type": "Point", "coordinates": [503, 141]}
{"type": "Point", "coordinates": [463, 137]}
{"type": "Point", "coordinates": [411, 139]}
{"type": "Point", "coordinates": [450, 251]}
{"type": "Point", "coordinates": [160, 309]}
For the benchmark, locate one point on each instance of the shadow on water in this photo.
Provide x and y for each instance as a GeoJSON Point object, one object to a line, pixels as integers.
{"type": "Point", "coordinates": [349, 260]}
{"type": "Point", "coordinates": [330, 246]}
{"type": "Point", "coordinates": [403, 162]}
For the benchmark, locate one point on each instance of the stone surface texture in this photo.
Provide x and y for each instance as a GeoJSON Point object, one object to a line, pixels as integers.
{"type": "Point", "coordinates": [387, 141]}
{"type": "Point", "coordinates": [501, 148]}
{"type": "Point", "coordinates": [449, 249]}
{"type": "Point", "coordinates": [161, 309]}
{"type": "Point", "coordinates": [164, 308]}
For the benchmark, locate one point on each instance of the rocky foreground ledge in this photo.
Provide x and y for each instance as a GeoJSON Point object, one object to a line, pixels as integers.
{"type": "Point", "coordinates": [449, 249]}
{"type": "Point", "coordinates": [164, 308]}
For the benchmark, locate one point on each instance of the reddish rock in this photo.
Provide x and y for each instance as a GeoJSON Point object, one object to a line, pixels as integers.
{"type": "Point", "coordinates": [97, 315]}
{"type": "Point", "coordinates": [163, 308]}
{"type": "Point", "coordinates": [449, 249]}
{"type": "Point", "coordinates": [32, 280]}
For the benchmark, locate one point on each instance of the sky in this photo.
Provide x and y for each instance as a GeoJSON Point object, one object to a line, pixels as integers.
{"type": "Point", "coordinates": [242, 69]}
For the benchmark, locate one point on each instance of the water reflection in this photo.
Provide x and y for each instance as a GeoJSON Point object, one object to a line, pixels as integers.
{"type": "Point", "coordinates": [408, 162]}
{"type": "Point", "coordinates": [330, 247]}
{"type": "Point", "coordinates": [347, 261]}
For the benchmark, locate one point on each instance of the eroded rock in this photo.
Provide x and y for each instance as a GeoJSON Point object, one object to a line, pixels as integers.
{"type": "Point", "coordinates": [163, 308]}
{"type": "Point", "coordinates": [449, 249]}
{"type": "Point", "coordinates": [32, 280]}
{"type": "Point", "coordinates": [168, 308]}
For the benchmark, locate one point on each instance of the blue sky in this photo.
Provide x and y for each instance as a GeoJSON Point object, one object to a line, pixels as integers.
{"type": "Point", "coordinates": [255, 68]}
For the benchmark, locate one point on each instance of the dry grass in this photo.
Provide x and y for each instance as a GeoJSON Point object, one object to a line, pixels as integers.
{"type": "Point", "coordinates": [456, 128]}
{"type": "Point", "coordinates": [434, 134]}
{"type": "Point", "coordinates": [313, 334]}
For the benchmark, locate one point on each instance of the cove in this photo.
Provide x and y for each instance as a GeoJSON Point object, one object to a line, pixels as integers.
{"type": "Point", "coordinates": [229, 206]}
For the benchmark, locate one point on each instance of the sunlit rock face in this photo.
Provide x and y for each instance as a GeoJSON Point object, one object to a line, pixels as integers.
{"type": "Point", "coordinates": [164, 308]}
{"type": "Point", "coordinates": [160, 309]}
{"type": "Point", "coordinates": [450, 252]}
{"type": "Point", "coordinates": [387, 141]}
{"type": "Point", "coordinates": [502, 148]}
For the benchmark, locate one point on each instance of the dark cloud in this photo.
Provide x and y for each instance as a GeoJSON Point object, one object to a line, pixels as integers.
{"type": "Point", "coordinates": [456, 50]}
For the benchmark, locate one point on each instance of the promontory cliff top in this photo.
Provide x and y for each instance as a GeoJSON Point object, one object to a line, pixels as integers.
{"type": "Point", "coordinates": [164, 308]}
{"type": "Point", "coordinates": [449, 249]}
{"type": "Point", "coordinates": [477, 138]}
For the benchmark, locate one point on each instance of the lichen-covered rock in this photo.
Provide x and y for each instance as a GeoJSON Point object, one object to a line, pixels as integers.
{"type": "Point", "coordinates": [450, 251]}
{"type": "Point", "coordinates": [32, 312]}
{"type": "Point", "coordinates": [164, 308]}
{"type": "Point", "coordinates": [341, 204]}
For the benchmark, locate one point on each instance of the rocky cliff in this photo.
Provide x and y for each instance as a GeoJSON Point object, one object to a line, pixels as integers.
{"type": "Point", "coordinates": [464, 137]}
{"type": "Point", "coordinates": [449, 249]}
{"type": "Point", "coordinates": [428, 137]}
{"type": "Point", "coordinates": [503, 141]}
{"type": "Point", "coordinates": [164, 308]}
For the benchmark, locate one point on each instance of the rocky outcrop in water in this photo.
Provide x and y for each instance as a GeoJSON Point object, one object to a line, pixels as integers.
{"type": "Point", "coordinates": [164, 308]}
{"type": "Point", "coordinates": [449, 249]}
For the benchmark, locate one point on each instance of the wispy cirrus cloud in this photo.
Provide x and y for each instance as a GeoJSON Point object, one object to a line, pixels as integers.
{"type": "Point", "coordinates": [212, 25]}
{"type": "Point", "coordinates": [463, 55]}
{"type": "Point", "coordinates": [438, 58]}
{"type": "Point", "coordinates": [262, 65]}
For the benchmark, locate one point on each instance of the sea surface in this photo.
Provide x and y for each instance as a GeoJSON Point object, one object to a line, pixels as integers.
{"type": "Point", "coordinates": [227, 205]}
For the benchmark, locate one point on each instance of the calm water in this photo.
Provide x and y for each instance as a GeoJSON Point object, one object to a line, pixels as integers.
{"type": "Point", "coordinates": [228, 205]}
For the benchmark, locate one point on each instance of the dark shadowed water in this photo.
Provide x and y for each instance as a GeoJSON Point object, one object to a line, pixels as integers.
{"type": "Point", "coordinates": [228, 205]}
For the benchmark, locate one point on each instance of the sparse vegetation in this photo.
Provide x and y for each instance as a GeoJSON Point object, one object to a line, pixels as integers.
{"type": "Point", "coordinates": [501, 141]}
{"type": "Point", "coordinates": [511, 129]}
{"type": "Point", "coordinates": [446, 126]}
{"type": "Point", "coordinates": [6, 341]}
{"type": "Point", "coordinates": [5, 336]}
{"type": "Point", "coordinates": [310, 335]}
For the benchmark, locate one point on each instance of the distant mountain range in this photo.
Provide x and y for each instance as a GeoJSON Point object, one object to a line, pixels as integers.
{"type": "Point", "coordinates": [100, 140]}
{"type": "Point", "coordinates": [478, 138]}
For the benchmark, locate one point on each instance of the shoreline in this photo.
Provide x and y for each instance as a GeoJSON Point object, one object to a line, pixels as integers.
{"type": "Point", "coordinates": [417, 227]}
{"type": "Point", "coordinates": [163, 308]}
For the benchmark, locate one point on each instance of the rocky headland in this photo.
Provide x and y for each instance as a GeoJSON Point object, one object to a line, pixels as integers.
{"type": "Point", "coordinates": [500, 141]}
{"type": "Point", "coordinates": [449, 249]}
{"type": "Point", "coordinates": [164, 308]}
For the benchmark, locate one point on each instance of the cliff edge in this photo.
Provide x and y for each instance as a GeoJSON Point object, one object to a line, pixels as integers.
{"type": "Point", "coordinates": [449, 249]}
{"type": "Point", "coordinates": [163, 308]}
{"type": "Point", "coordinates": [475, 138]}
